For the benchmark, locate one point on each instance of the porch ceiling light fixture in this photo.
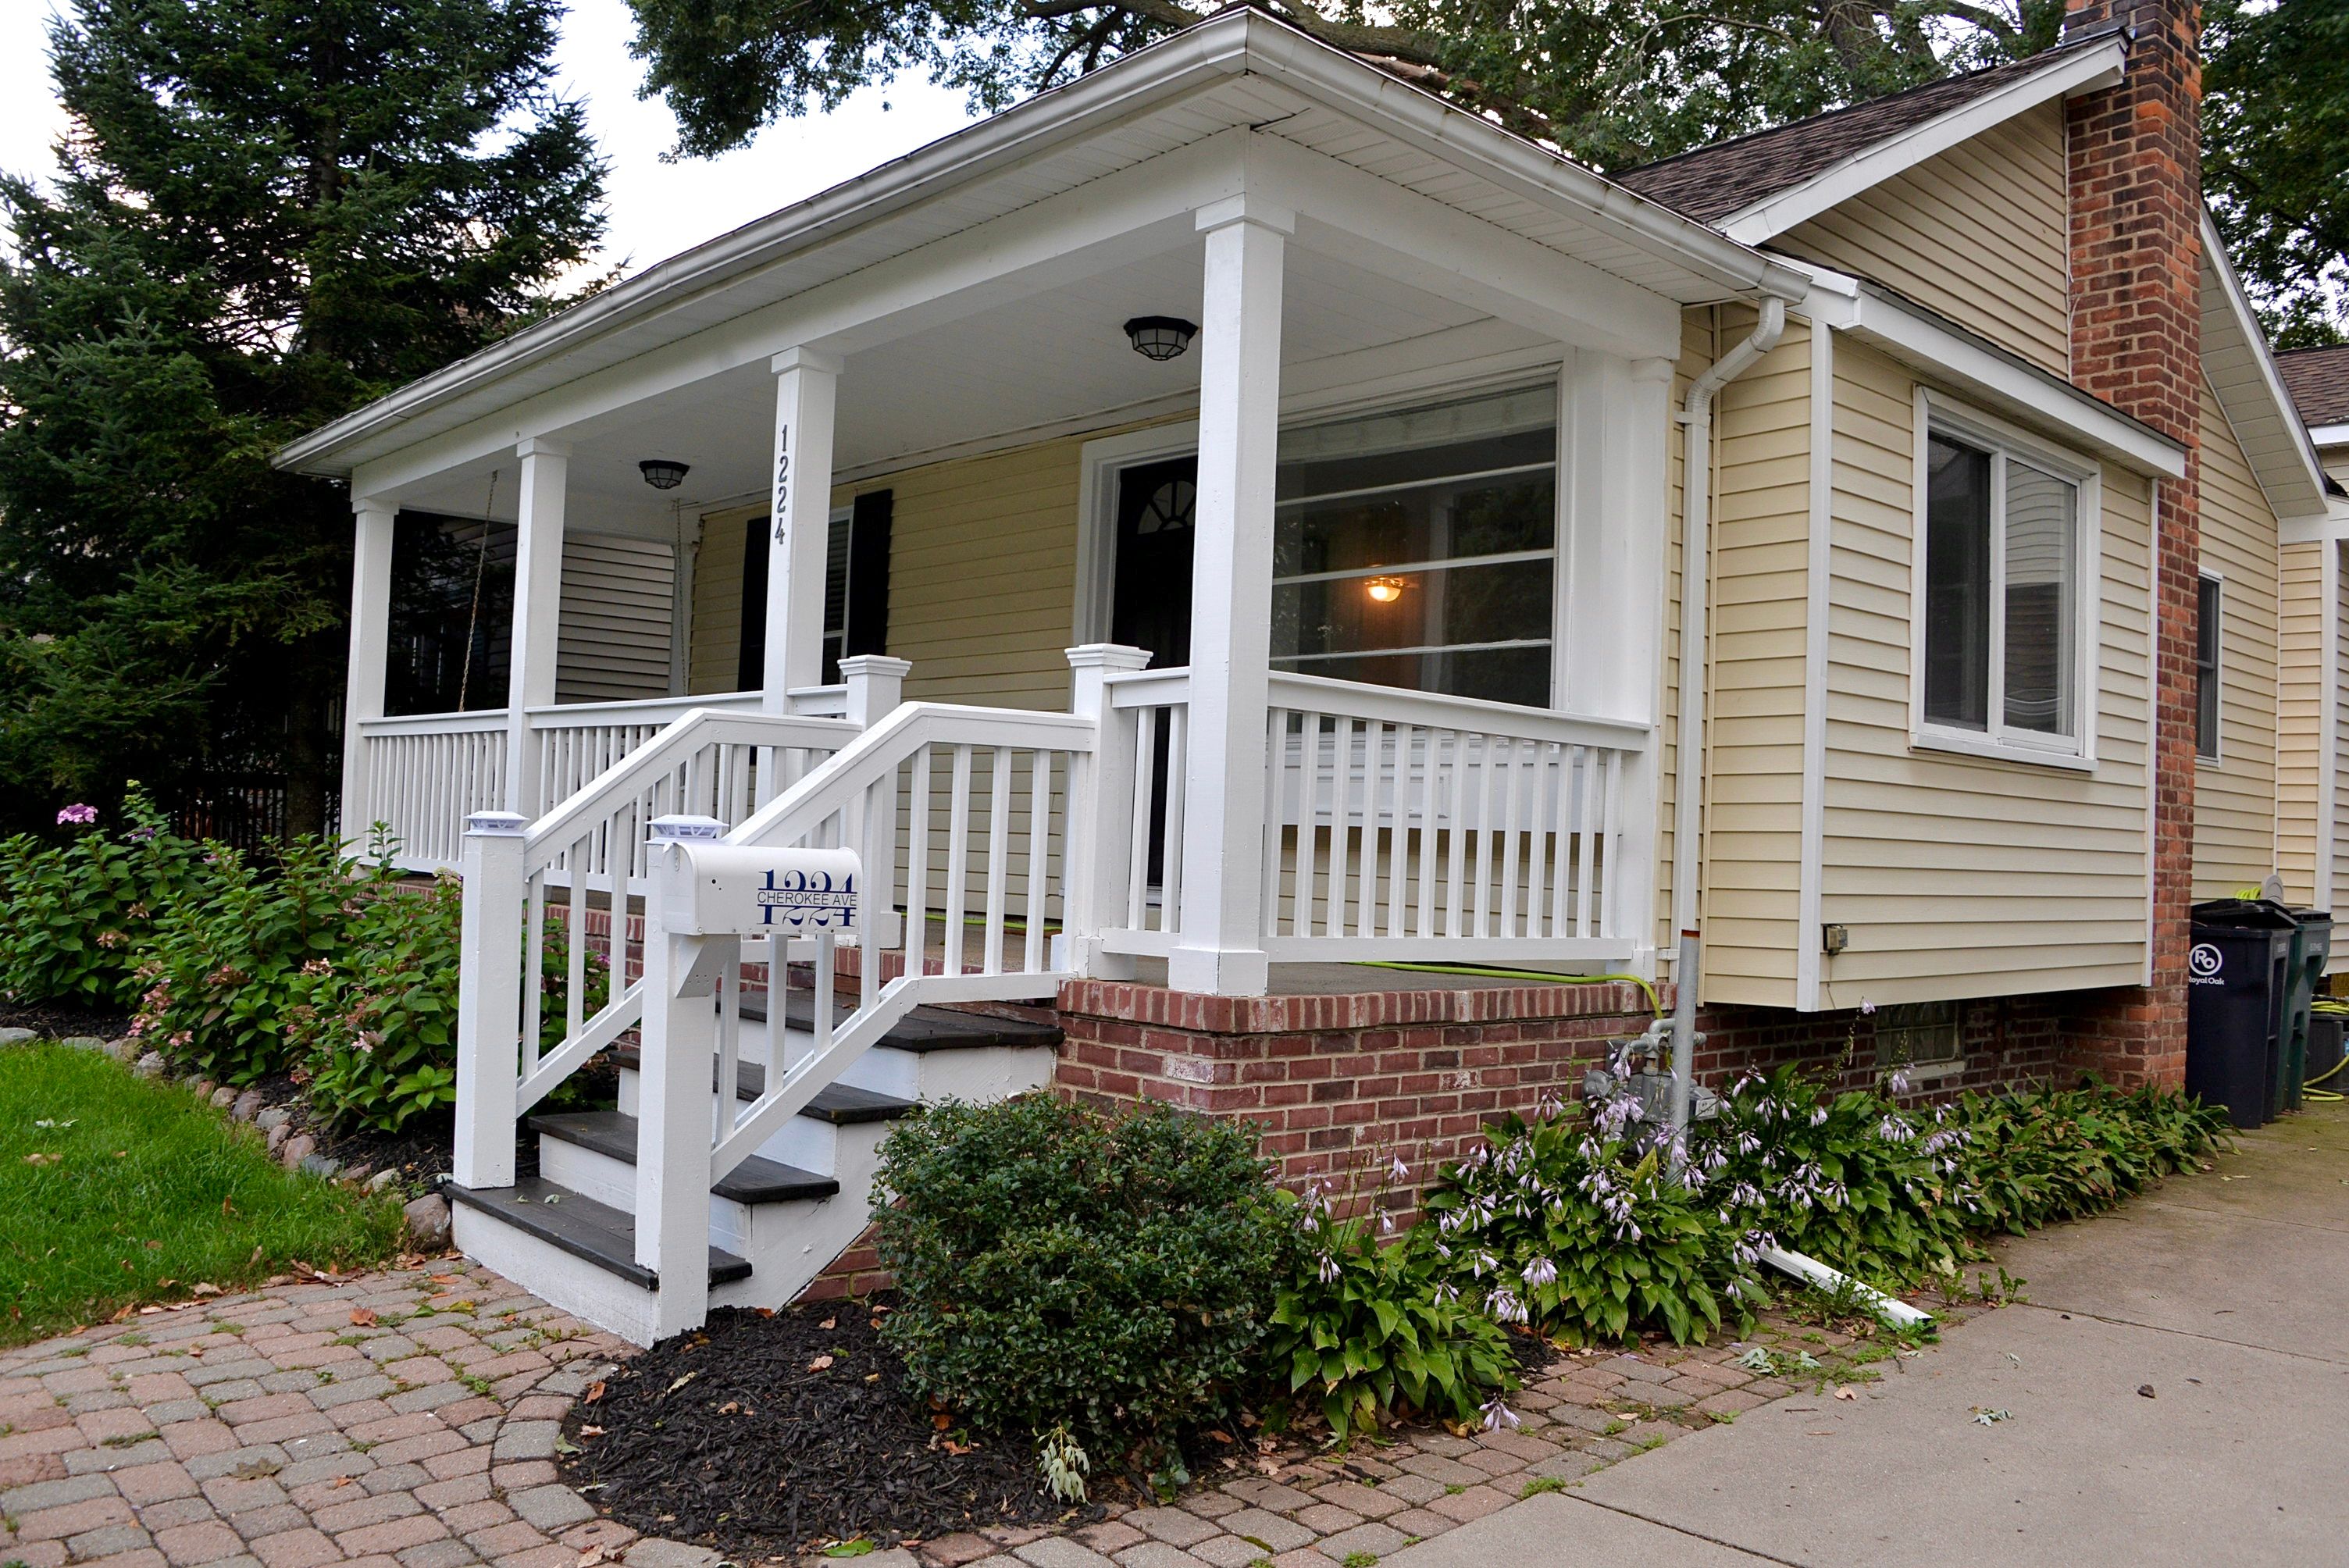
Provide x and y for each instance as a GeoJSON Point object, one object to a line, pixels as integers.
{"type": "Point", "coordinates": [663, 473]}
{"type": "Point", "coordinates": [1384, 590]}
{"type": "Point", "coordinates": [1161, 338]}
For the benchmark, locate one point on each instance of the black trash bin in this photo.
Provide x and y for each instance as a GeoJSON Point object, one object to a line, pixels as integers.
{"type": "Point", "coordinates": [2326, 1032]}
{"type": "Point", "coordinates": [2309, 956]}
{"type": "Point", "coordinates": [2238, 974]}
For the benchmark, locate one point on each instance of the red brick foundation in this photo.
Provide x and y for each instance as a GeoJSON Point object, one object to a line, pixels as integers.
{"type": "Point", "coordinates": [1341, 1086]}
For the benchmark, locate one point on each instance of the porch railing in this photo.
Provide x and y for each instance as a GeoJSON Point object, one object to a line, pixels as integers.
{"type": "Point", "coordinates": [1398, 824]}
{"type": "Point", "coordinates": [427, 773]}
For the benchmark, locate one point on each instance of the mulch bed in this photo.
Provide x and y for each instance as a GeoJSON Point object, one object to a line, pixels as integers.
{"type": "Point", "coordinates": [61, 1021]}
{"type": "Point", "coordinates": [769, 1433]}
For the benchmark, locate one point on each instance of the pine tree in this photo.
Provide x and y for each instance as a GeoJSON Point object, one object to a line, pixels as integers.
{"type": "Point", "coordinates": [267, 213]}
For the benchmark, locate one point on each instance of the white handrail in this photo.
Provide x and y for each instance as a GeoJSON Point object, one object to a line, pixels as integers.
{"type": "Point", "coordinates": [473, 721]}
{"type": "Point", "coordinates": [1395, 705]}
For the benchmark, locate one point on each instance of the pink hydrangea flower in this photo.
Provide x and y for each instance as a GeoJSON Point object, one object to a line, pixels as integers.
{"type": "Point", "coordinates": [76, 816]}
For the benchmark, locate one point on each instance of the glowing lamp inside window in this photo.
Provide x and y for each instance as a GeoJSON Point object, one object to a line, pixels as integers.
{"type": "Point", "coordinates": [1384, 590]}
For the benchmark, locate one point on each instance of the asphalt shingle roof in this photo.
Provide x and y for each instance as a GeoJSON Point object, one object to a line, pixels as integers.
{"type": "Point", "coordinates": [2318, 380]}
{"type": "Point", "coordinates": [1713, 182]}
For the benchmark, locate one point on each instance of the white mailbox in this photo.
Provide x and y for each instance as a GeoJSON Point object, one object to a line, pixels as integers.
{"type": "Point", "coordinates": [734, 889]}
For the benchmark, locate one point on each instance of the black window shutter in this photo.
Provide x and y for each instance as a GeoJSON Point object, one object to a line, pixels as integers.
{"type": "Point", "coordinates": [750, 674]}
{"type": "Point", "coordinates": [868, 572]}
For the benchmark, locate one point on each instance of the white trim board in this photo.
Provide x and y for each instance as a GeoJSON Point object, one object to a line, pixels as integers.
{"type": "Point", "coordinates": [2240, 369]}
{"type": "Point", "coordinates": [2085, 71]}
{"type": "Point", "coordinates": [1810, 957]}
{"type": "Point", "coordinates": [1990, 375]}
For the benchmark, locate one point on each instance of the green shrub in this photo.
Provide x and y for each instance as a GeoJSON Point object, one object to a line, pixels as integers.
{"type": "Point", "coordinates": [75, 916]}
{"type": "Point", "coordinates": [1370, 1330]}
{"type": "Point", "coordinates": [1585, 1235]}
{"type": "Point", "coordinates": [223, 963]}
{"type": "Point", "coordinates": [1060, 1267]}
{"type": "Point", "coordinates": [375, 1026]}
{"type": "Point", "coordinates": [2035, 1158]}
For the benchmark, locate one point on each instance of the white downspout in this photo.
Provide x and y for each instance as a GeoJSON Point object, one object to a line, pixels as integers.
{"type": "Point", "coordinates": [1695, 420]}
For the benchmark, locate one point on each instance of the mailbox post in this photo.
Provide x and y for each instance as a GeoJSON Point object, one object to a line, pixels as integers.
{"type": "Point", "coordinates": [706, 897]}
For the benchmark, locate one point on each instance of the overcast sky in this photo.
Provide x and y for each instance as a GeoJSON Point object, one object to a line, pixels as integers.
{"type": "Point", "coordinates": [656, 209]}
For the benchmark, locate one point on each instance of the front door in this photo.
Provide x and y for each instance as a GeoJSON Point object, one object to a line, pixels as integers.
{"type": "Point", "coordinates": [1150, 606]}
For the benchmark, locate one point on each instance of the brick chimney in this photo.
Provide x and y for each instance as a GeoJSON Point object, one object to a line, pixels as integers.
{"type": "Point", "coordinates": [2135, 154]}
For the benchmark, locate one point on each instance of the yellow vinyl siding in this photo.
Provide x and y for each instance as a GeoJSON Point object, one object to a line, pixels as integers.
{"type": "Point", "coordinates": [982, 579]}
{"type": "Point", "coordinates": [2235, 796]}
{"type": "Point", "coordinates": [2300, 711]}
{"type": "Point", "coordinates": [1962, 877]}
{"type": "Point", "coordinates": [1753, 809]}
{"type": "Point", "coordinates": [714, 651]}
{"type": "Point", "coordinates": [1980, 233]}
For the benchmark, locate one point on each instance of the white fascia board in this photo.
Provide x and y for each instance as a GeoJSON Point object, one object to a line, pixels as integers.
{"type": "Point", "coordinates": [1383, 228]}
{"type": "Point", "coordinates": [2319, 528]}
{"type": "Point", "coordinates": [1987, 374]}
{"type": "Point", "coordinates": [2085, 71]}
{"type": "Point", "coordinates": [2324, 436]}
{"type": "Point", "coordinates": [2295, 488]}
{"type": "Point", "coordinates": [1418, 118]}
{"type": "Point", "coordinates": [1173, 69]}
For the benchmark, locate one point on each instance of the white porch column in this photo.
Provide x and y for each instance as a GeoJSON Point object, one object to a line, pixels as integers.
{"type": "Point", "coordinates": [370, 651]}
{"type": "Point", "coordinates": [537, 605]}
{"type": "Point", "coordinates": [806, 386]}
{"type": "Point", "coordinates": [1218, 948]}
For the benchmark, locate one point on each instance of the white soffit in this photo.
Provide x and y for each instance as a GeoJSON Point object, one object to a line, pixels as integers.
{"type": "Point", "coordinates": [2244, 378]}
{"type": "Point", "coordinates": [1241, 69]}
{"type": "Point", "coordinates": [1948, 354]}
{"type": "Point", "coordinates": [2085, 71]}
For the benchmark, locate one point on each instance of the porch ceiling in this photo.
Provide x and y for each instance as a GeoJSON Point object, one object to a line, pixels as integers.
{"type": "Point", "coordinates": [1037, 364]}
{"type": "Point", "coordinates": [689, 333]}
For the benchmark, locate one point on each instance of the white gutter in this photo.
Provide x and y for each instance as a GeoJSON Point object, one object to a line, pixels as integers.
{"type": "Point", "coordinates": [1695, 420]}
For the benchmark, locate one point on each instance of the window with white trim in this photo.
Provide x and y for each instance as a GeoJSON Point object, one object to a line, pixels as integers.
{"type": "Point", "coordinates": [2207, 617]}
{"type": "Point", "coordinates": [2005, 573]}
{"type": "Point", "coordinates": [1417, 548]}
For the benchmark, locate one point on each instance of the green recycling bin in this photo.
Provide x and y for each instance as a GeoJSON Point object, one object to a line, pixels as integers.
{"type": "Point", "coordinates": [2310, 955]}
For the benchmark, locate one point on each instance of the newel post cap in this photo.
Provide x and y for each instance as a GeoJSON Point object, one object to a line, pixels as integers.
{"type": "Point", "coordinates": [496, 825]}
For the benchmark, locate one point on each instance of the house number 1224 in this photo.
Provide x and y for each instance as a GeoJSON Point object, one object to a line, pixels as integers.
{"type": "Point", "coordinates": [782, 477]}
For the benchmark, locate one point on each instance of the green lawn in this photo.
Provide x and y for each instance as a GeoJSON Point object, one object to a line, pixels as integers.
{"type": "Point", "coordinates": [115, 1189]}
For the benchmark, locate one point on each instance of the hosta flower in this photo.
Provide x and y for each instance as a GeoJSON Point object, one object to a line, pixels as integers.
{"type": "Point", "coordinates": [1503, 1306]}
{"type": "Point", "coordinates": [1445, 1293]}
{"type": "Point", "coordinates": [1541, 1272]}
{"type": "Point", "coordinates": [1327, 1267]}
{"type": "Point", "coordinates": [1497, 1415]}
{"type": "Point", "coordinates": [1399, 1170]}
{"type": "Point", "coordinates": [76, 815]}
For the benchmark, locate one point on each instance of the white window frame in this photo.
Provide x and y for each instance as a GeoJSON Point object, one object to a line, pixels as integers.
{"type": "Point", "coordinates": [2002, 742]}
{"type": "Point", "coordinates": [2217, 754]}
{"type": "Point", "coordinates": [1102, 460]}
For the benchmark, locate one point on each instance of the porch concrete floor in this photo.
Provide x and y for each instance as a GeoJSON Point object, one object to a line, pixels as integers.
{"type": "Point", "coordinates": [2223, 1293]}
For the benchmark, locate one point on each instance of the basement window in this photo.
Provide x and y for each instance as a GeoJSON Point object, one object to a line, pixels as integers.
{"type": "Point", "coordinates": [1919, 1035]}
{"type": "Point", "coordinates": [2005, 611]}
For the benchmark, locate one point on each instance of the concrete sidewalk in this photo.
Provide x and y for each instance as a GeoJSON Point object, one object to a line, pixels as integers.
{"type": "Point", "coordinates": [2226, 1295]}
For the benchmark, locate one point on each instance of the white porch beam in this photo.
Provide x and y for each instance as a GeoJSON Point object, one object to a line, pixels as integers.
{"type": "Point", "coordinates": [1356, 217]}
{"type": "Point", "coordinates": [807, 389]}
{"type": "Point", "coordinates": [372, 519]}
{"type": "Point", "coordinates": [1220, 945]}
{"type": "Point", "coordinates": [537, 608]}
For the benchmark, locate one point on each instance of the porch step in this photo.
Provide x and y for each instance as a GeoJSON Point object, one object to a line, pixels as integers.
{"type": "Point", "coordinates": [580, 1226]}
{"type": "Point", "coordinates": [613, 1134]}
{"type": "Point", "coordinates": [922, 1029]}
{"type": "Point", "coordinates": [838, 1103]}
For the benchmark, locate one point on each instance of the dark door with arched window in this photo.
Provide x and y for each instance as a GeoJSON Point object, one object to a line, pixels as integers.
{"type": "Point", "coordinates": [1150, 606]}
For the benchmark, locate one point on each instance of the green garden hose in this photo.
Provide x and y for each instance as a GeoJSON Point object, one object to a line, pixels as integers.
{"type": "Point", "coordinates": [1488, 972]}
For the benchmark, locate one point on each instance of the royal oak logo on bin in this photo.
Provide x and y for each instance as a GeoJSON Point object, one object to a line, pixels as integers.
{"type": "Point", "coordinates": [2204, 964]}
{"type": "Point", "coordinates": [807, 901]}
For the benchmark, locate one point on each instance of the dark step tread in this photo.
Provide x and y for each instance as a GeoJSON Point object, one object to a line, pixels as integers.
{"type": "Point", "coordinates": [840, 1104]}
{"type": "Point", "coordinates": [580, 1226]}
{"type": "Point", "coordinates": [922, 1029]}
{"type": "Point", "coordinates": [614, 1133]}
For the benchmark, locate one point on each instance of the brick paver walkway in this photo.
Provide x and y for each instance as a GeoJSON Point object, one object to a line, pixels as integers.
{"type": "Point", "coordinates": [411, 1419]}
{"type": "Point", "coordinates": [389, 1421]}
